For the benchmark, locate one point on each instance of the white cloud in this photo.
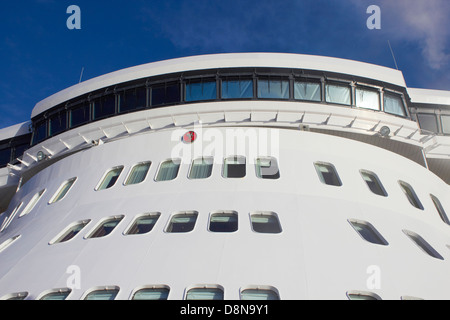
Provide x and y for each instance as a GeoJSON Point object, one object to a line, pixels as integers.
{"type": "Point", "coordinates": [422, 21]}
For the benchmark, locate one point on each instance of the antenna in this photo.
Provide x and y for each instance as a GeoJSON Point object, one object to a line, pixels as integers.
{"type": "Point", "coordinates": [393, 56]}
{"type": "Point", "coordinates": [81, 76]}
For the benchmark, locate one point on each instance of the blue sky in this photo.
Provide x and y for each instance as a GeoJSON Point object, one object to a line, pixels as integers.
{"type": "Point", "coordinates": [40, 56]}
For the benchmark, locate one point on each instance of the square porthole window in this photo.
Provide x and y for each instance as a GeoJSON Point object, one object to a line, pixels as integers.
{"type": "Point", "coordinates": [201, 168]}
{"type": "Point", "coordinates": [411, 195]}
{"type": "Point", "coordinates": [143, 224]}
{"type": "Point", "coordinates": [265, 222]}
{"type": "Point", "coordinates": [138, 173]}
{"type": "Point", "coordinates": [63, 190]}
{"type": "Point", "coordinates": [105, 293]}
{"type": "Point", "coordinates": [260, 293]}
{"type": "Point", "coordinates": [328, 174]}
{"type": "Point", "coordinates": [110, 178]}
{"type": "Point", "coordinates": [205, 293]}
{"type": "Point", "coordinates": [168, 170]}
{"type": "Point", "coordinates": [368, 232]}
{"type": "Point", "coordinates": [223, 221]}
{"type": "Point", "coordinates": [151, 293]}
{"type": "Point", "coordinates": [422, 244]}
{"type": "Point", "coordinates": [70, 232]}
{"type": "Point", "coordinates": [234, 167]}
{"type": "Point", "coordinates": [55, 295]}
{"type": "Point", "coordinates": [105, 227]}
{"type": "Point", "coordinates": [30, 206]}
{"type": "Point", "coordinates": [374, 183]}
{"type": "Point", "coordinates": [440, 209]}
{"type": "Point", "coordinates": [182, 222]}
{"type": "Point", "coordinates": [267, 168]}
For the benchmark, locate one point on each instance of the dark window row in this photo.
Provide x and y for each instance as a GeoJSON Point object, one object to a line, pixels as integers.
{"type": "Point", "coordinates": [180, 222]}
{"type": "Point", "coordinates": [182, 89]}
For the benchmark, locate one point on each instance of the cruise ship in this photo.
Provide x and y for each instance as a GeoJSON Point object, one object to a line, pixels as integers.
{"type": "Point", "coordinates": [241, 176]}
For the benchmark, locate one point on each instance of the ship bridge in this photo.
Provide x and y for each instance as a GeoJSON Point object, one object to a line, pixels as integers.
{"type": "Point", "coordinates": [350, 99]}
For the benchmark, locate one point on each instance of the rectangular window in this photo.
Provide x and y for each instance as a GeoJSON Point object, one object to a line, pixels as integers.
{"type": "Point", "coordinates": [267, 168]}
{"type": "Point", "coordinates": [201, 91]}
{"type": "Point", "coordinates": [133, 99]}
{"type": "Point", "coordinates": [138, 173]}
{"type": "Point", "coordinates": [428, 122]}
{"type": "Point", "coordinates": [422, 244]}
{"type": "Point", "coordinates": [40, 132]}
{"type": "Point", "coordinates": [445, 124]}
{"type": "Point", "coordinates": [367, 98]}
{"type": "Point", "coordinates": [368, 232]}
{"type": "Point", "coordinates": [165, 94]}
{"type": "Point", "coordinates": [259, 294]}
{"type": "Point", "coordinates": [182, 222]}
{"type": "Point", "coordinates": [338, 93]}
{"type": "Point", "coordinates": [58, 123]}
{"type": "Point", "coordinates": [168, 170]}
{"type": "Point", "coordinates": [265, 222]}
{"type": "Point", "coordinates": [237, 89]}
{"type": "Point", "coordinates": [106, 227]}
{"type": "Point", "coordinates": [71, 232]}
{"type": "Point", "coordinates": [213, 293]}
{"type": "Point", "coordinates": [307, 91]}
{"type": "Point", "coordinates": [143, 224]}
{"type": "Point", "coordinates": [224, 221]}
{"type": "Point", "coordinates": [80, 114]}
{"type": "Point", "coordinates": [328, 174]}
{"type": "Point", "coordinates": [411, 195]}
{"type": "Point", "coordinates": [63, 190]}
{"type": "Point", "coordinates": [234, 167]}
{"type": "Point", "coordinates": [104, 107]}
{"type": "Point", "coordinates": [273, 89]}
{"type": "Point", "coordinates": [373, 182]}
{"type": "Point", "coordinates": [440, 209]}
{"type": "Point", "coordinates": [201, 168]}
{"type": "Point", "coordinates": [393, 104]}
{"type": "Point", "coordinates": [5, 157]}
{"type": "Point", "coordinates": [30, 206]}
{"type": "Point", "coordinates": [110, 178]}
{"type": "Point", "coordinates": [153, 293]}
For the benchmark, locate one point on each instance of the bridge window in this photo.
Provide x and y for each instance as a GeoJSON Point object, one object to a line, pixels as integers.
{"type": "Point", "coordinates": [132, 99]}
{"type": "Point", "coordinates": [338, 93]}
{"type": "Point", "coordinates": [168, 93]}
{"type": "Point", "coordinates": [5, 157]}
{"type": "Point", "coordinates": [393, 104]}
{"type": "Point", "coordinates": [308, 91]}
{"type": "Point", "coordinates": [445, 124]}
{"type": "Point", "coordinates": [201, 90]}
{"type": "Point", "coordinates": [58, 123]}
{"type": "Point", "coordinates": [367, 98]}
{"type": "Point", "coordinates": [237, 89]}
{"type": "Point", "coordinates": [273, 89]}
{"type": "Point", "coordinates": [428, 122]}
{"type": "Point", "coordinates": [104, 106]}
{"type": "Point", "coordinates": [79, 115]}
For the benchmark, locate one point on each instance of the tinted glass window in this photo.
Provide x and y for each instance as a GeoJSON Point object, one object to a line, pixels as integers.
{"type": "Point", "coordinates": [234, 167]}
{"type": "Point", "coordinates": [143, 224]}
{"type": "Point", "coordinates": [104, 107]}
{"type": "Point", "coordinates": [166, 94]}
{"type": "Point", "coordinates": [40, 132]}
{"type": "Point", "coordinates": [373, 183]}
{"type": "Point", "coordinates": [110, 178]}
{"type": "Point", "coordinates": [309, 91]}
{"type": "Point", "coordinates": [237, 89]}
{"type": "Point", "coordinates": [368, 232]}
{"type": "Point", "coordinates": [106, 227]}
{"type": "Point", "coordinates": [265, 223]}
{"type": "Point", "coordinates": [393, 104]}
{"type": "Point", "coordinates": [445, 124]}
{"type": "Point", "coordinates": [273, 89]}
{"type": "Point", "coordinates": [259, 294]}
{"type": "Point", "coordinates": [168, 170]}
{"type": "Point", "coordinates": [328, 174]}
{"type": "Point", "coordinates": [205, 294]}
{"type": "Point", "coordinates": [151, 294]}
{"type": "Point", "coordinates": [5, 157]}
{"type": "Point", "coordinates": [198, 91]}
{"type": "Point", "coordinates": [79, 115]}
{"type": "Point", "coordinates": [201, 168]}
{"type": "Point", "coordinates": [133, 99]}
{"type": "Point", "coordinates": [184, 222]}
{"type": "Point", "coordinates": [428, 122]}
{"type": "Point", "coordinates": [58, 123]}
{"type": "Point", "coordinates": [223, 222]}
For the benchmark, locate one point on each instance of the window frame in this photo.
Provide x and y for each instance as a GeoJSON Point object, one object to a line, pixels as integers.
{"type": "Point", "coordinates": [223, 213]}
{"type": "Point", "coordinates": [125, 182]}
{"type": "Point", "coordinates": [262, 214]}
{"type": "Point", "coordinates": [404, 186]}
{"type": "Point", "coordinates": [56, 197]}
{"type": "Point", "coordinates": [192, 167]}
{"type": "Point", "coordinates": [157, 215]}
{"type": "Point", "coordinates": [422, 244]}
{"type": "Point", "coordinates": [103, 178]}
{"type": "Point", "coordinates": [204, 287]}
{"type": "Point", "coordinates": [158, 171]}
{"type": "Point", "coordinates": [322, 178]}
{"type": "Point", "coordinates": [440, 209]}
{"type": "Point", "coordinates": [377, 181]}
{"type": "Point", "coordinates": [380, 239]}
{"type": "Point", "coordinates": [238, 159]}
{"type": "Point", "coordinates": [259, 288]}
{"type": "Point", "coordinates": [99, 289]}
{"type": "Point", "coordinates": [55, 291]}
{"type": "Point", "coordinates": [259, 174]}
{"type": "Point", "coordinates": [150, 287]}
{"type": "Point", "coordinates": [169, 226]}
{"type": "Point", "coordinates": [101, 223]}
{"type": "Point", "coordinates": [65, 232]}
{"type": "Point", "coordinates": [32, 203]}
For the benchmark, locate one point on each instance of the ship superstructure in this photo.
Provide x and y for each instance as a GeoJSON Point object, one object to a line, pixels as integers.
{"type": "Point", "coordinates": [230, 176]}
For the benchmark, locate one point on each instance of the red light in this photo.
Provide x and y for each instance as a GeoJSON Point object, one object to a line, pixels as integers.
{"type": "Point", "coordinates": [189, 137]}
